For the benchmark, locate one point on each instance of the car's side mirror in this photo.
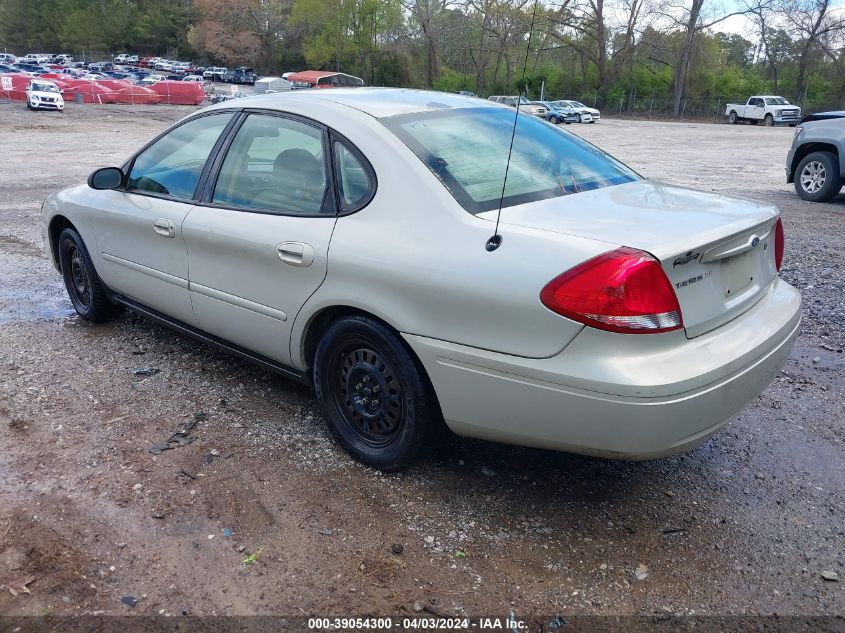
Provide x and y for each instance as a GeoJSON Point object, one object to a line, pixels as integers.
{"type": "Point", "coordinates": [106, 178]}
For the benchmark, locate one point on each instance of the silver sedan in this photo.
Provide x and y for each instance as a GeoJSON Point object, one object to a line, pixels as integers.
{"type": "Point", "coordinates": [369, 243]}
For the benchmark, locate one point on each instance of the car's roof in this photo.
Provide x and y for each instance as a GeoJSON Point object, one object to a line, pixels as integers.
{"type": "Point", "coordinates": [314, 75]}
{"type": "Point", "coordinates": [824, 116]}
{"type": "Point", "coordinates": [377, 102]}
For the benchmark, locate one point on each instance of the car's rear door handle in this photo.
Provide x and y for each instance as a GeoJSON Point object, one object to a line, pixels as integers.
{"type": "Point", "coordinates": [164, 227]}
{"type": "Point", "coordinates": [296, 253]}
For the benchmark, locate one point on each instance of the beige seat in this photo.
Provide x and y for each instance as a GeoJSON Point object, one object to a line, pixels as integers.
{"type": "Point", "coordinates": [299, 184]}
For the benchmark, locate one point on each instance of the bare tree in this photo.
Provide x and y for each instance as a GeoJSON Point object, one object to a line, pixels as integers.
{"type": "Point", "coordinates": [587, 27]}
{"type": "Point", "coordinates": [693, 19]}
{"type": "Point", "coordinates": [811, 21]}
{"type": "Point", "coordinates": [428, 16]}
{"type": "Point", "coordinates": [774, 42]}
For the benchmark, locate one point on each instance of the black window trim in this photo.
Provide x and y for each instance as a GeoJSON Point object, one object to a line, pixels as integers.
{"type": "Point", "coordinates": [204, 199]}
{"type": "Point", "coordinates": [127, 165]}
{"type": "Point", "coordinates": [333, 206]}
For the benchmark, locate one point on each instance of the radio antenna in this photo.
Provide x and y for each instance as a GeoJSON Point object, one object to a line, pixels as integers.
{"type": "Point", "coordinates": [496, 240]}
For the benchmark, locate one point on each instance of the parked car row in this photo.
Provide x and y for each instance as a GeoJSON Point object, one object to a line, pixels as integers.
{"type": "Point", "coordinates": [561, 111]}
{"type": "Point", "coordinates": [150, 69]}
{"type": "Point", "coordinates": [93, 71]}
{"type": "Point", "coordinates": [240, 75]}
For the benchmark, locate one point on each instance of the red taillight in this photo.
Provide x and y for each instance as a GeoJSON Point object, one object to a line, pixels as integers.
{"type": "Point", "coordinates": [778, 244]}
{"type": "Point", "coordinates": [624, 291]}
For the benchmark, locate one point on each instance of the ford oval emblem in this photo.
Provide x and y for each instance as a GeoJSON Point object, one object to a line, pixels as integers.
{"type": "Point", "coordinates": [755, 241]}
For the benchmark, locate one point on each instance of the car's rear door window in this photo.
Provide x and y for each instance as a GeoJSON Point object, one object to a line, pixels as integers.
{"type": "Point", "coordinates": [172, 165]}
{"type": "Point", "coordinates": [276, 165]}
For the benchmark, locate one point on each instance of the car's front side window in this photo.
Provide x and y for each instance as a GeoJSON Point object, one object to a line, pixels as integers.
{"type": "Point", "coordinates": [276, 165]}
{"type": "Point", "coordinates": [172, 165]}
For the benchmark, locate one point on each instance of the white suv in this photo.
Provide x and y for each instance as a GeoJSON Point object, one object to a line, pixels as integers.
{"type": "Point", "coordinates": [524, 104]}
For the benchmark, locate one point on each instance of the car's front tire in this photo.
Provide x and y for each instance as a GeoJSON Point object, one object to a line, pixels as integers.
{"type": "Point", "coordinates": [768, 120]}
{"type": "Point", "coordinates": [83, 285]}
{"type": "Point", "coordinates": [817, 177]}
{"type": "Point", "coordinates": [379, 402]}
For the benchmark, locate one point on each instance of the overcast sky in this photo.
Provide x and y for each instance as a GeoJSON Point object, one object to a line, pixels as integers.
{"type": "Point", "coordinates": [744, 26]}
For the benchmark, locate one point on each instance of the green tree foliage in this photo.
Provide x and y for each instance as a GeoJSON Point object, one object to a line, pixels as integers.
{"type": "Point", "coordinates": [155, 26]}
{"type": "Point", "coordinates": [347, 35]}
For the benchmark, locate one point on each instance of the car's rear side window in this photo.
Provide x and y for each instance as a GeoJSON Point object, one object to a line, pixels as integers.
{"type": "Point", "coordinates": [467, 149]}
{"type": "Point", "coordinates": [172, 165]}
{"type": "Point", "coordinates": [355, 181]}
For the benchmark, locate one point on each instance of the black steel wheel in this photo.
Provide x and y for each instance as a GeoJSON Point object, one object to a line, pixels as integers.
{"type": "Point", "coordinates": [366, 389]}
{"type": "Point", "coordinates": [377, 398]}
{"type": "Point", "coordinates": [83, 285]}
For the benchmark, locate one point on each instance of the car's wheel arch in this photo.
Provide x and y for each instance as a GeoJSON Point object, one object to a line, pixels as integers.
{"type": "Point", "coordinates": [58, 223]}
{"type": "Point", "coordinates": [320, 321]}
{"type": "Point", "coordinates": [809, 148]}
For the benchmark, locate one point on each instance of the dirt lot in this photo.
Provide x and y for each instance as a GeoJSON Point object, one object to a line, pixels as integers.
{"type": "Point", "coordinates": [752, 522]}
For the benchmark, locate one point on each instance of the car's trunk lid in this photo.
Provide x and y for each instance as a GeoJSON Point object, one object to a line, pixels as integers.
{"type": "Point", "coordinates": [717, 251]}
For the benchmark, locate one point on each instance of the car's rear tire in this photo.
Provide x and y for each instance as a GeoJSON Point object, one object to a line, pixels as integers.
{"type": "Point", "coordinates": [817, 177]}
{"type": "Point", "coordinates": [554, 120]}
{"type": "Point", "coordinates": [378, 400]}
{"type": "Point", "coordinates": [768, 120]}
{"type": "Point", "coordinates": [733, 118]}
{"type": "Point", "coordinates": [86, 291]}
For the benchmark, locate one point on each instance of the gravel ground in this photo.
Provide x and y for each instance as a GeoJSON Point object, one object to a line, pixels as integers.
{"type": "Point", "coordinates": [749, 523]}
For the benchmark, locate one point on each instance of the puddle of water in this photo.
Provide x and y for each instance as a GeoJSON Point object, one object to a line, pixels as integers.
{"type": "Point", "coordinates": [41, 314]}
{"type": "Point", "coordinates": [26, 304]}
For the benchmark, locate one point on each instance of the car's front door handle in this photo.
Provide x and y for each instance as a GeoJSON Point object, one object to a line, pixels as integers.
{"type": "Point", "coordinates": [296, 253]}
{"type": "Point", "coordinates": [164, 227]}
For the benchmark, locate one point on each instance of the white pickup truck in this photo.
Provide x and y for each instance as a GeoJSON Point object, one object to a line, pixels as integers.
{"type": "Point", "coordinates": [770, 109]}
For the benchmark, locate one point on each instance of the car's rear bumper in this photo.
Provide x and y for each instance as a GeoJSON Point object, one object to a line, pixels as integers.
{"type": "Point", "coordinates": [616, 395]}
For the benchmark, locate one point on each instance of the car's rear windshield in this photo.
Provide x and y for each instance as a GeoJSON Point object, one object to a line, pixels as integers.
{"type": "Point", "coordinates": [777, 101]}
{"type": "Point", "coordinates": [467, 149]}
